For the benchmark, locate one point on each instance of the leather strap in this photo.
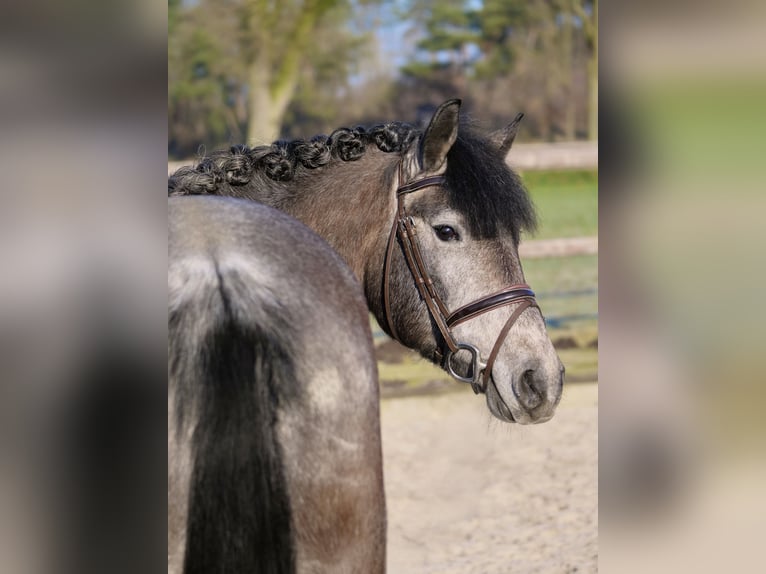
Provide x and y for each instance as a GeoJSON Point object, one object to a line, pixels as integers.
{"type": "Point", "coordinates": [490, 302]}
{"type": "Point", "coordinates": [387, 281]}
{"type": "Point", "coordinates": [403, 229]}
{"type": "Point", "coordinates": [419, 184]}
{"type": "Point", "coordinates": [425, 284]}
{"type": "Point", "coordinates": [523, 306]}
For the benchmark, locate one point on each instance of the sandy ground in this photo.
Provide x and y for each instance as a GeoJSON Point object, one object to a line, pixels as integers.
{"type": "Point", "coordinates": [467, 494]}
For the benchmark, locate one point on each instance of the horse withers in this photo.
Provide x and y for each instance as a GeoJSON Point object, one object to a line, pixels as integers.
{"type": "Point", "coordinates": [274, 454]}
{"type": "Point", "coordinates": [430, 223]}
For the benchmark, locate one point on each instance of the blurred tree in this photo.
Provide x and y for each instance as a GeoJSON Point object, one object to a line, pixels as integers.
{"type": "Point", "coordinates": [238, 68]}
{"type": "Point", "coordinates": [327, 75]}
{"type": "Point", "coordinates": [531, 52]}
{"type": "Point", "coordinates": [256, 70]}
{"type": "Point", "coordinates": [449, 32]}
{"type": "Point", "coordinates": [174, 8]}
{"type": "Point", "coordinates": [587, 12]}
{"type": "Point", "coordinates": [197, 81]}
{"type": "Point", "coordinates": [276, 38]}
{"type": "Point", "coordinates": [500, 21]}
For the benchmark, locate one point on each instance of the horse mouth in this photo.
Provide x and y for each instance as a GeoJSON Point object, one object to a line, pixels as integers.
{"type": "Point", "coordinates": [497, 405]}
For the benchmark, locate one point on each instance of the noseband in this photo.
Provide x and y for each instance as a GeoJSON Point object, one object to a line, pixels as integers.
{"type": "Point", "coordinates": [403, 228]}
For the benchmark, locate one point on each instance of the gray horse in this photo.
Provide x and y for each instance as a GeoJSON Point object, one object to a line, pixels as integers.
{"type": "Point", "coordinates": [430, 224]}
{"type": "Point", "coordinates": [274, 454]}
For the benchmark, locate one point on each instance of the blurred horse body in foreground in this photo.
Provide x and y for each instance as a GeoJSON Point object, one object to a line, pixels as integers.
{"type": "Point", "coordinates": [274, 454]}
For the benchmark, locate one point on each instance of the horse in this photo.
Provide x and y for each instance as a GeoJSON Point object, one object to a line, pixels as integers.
{"type": "Point", "coordinates": [274, 453]}
{"type": "Point", "coordinates": [429, 221]}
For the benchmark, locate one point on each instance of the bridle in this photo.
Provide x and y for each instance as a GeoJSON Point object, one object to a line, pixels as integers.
{"type": "Point", "coordinates": [403, 229]}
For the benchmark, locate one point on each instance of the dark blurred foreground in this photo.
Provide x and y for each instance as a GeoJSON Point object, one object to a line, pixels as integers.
{"type": "Point", "coordinates": [82, 287]}
{"type": "Point", "coordinates": [682, 460]}
{"type": "Point", "coordinates": [82, 290]}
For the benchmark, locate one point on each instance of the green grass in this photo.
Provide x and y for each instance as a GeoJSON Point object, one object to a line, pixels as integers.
{"type": "Point", "coordinates": [566, 201]}
{"type": "Point", "coordinates": [569, 274]}
{"type": "Point", "coordinates": [581, 364]}
{"type": "Point", "coordinates": [562, 273]}
{"type": "Point", "coordinates": [413, 371]}
{"type": "Point", "coordinates": [557, 274]}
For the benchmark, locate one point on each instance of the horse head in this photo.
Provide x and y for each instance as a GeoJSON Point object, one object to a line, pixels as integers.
{"type": "Point", "coordinates": [453, 285]}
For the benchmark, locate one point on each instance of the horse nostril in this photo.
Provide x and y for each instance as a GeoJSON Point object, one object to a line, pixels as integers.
{"type": "Point", "coordinates": [528, 391]}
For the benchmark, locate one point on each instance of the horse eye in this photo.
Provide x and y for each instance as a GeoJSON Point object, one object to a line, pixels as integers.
{"type": "Point", "coordinates": [446, 233]}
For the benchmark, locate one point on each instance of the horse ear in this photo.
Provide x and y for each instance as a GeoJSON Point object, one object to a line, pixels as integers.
{"type": "Point", "coordinates": [503, 138]}
{"type": "Point", "coordinates": [439, 136]}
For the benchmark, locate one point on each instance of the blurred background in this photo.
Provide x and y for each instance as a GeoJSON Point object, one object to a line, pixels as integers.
{"type": "Point", "coordinates": [244, 71]}
{"type": "Point", "coordinates": [681, 433]}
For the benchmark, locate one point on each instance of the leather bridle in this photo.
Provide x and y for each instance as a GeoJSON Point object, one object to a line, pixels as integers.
{"type": "Point", "coordinates": [403, 229]}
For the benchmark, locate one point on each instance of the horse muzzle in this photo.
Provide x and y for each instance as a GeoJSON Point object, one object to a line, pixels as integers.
{"type": "Point", "coordinates": [531, 397]}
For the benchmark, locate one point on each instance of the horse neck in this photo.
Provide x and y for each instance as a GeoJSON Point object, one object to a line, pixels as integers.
{"type": "Point", "coordinates": [351, 205]}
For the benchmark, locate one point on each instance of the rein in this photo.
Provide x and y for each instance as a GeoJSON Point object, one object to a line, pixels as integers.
{"type": "Point", "coordinates": [404, 230]}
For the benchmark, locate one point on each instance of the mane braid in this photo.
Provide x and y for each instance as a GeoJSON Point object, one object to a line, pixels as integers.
{"type": "Point", "coordinates": [480, 183]}
{"type": "Point", "coordinates": [280, 160]}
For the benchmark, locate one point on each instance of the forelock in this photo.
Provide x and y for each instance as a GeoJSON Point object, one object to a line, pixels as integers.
{"type": "Point", "coordinates": [482, 187]}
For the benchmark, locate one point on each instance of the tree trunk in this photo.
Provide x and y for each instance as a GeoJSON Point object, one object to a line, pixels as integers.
{"type": "Point", "coordinates": [261, 128]}
{"type": "Point", "coordinates": [570, 103]}
{"type": "Point", "coordinates": [593, 78]}
{"type": "Point", "coordinates": [279, 101]}
{"type": "Point", "coordinates": [593, 99]}
{"type": "Point", "coordinates": [272, 87]}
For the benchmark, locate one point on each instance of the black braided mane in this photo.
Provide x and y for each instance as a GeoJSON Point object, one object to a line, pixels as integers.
{"type": "Point", "coordinates": [480, 184]}
{"type": "Point", "coordinates": [280, 160]}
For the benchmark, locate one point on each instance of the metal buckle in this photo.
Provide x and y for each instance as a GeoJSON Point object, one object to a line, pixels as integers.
{"type": "Point", "coordinates": [477, 366]}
